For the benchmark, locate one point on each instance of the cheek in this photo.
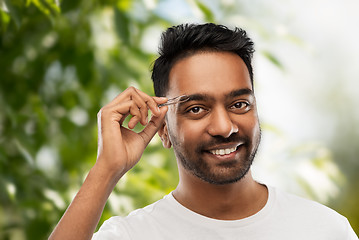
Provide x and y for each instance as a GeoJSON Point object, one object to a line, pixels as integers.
{"type": "Point", "coordinates": [249, 125]}
{"type": "Point", "coordinates": [182, 131]}
{"type": "Point", "coordinates": [190, 132]}
{"type": "Point", "coordinates": [256, 130]}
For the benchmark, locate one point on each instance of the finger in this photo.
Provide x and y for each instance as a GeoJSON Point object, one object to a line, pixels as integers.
{"type": "Point", "coordinates": [142, 100]}
{"type": "Point", "coordinates": [152, 102]}
{"type": "Point", "coordinates": [130, 94]}
{"type": "Point", "coordinates": [137, 116]}
{"type": "Point", "coordinates": [152, 127]}
{"type": "Point", "coordinates": [123, 118]}
{"type": "Point", "coordinates": [119, 113]}
{"type": "Point", "coordinates": [160, 100]}
{"type": "Point", "coordinates": [133, 122]}
{"type": "Point", "coordinates": [143, 109]}
{"type": "Point", "coordinates": [142, 106]}
{"type": "Point", "coordinates": [123, 96]}
{"type": "Point", "coordinates": [133, 93]}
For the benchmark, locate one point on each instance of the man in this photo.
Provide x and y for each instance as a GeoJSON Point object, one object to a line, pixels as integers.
{"type": "Point", "coordinates": [215, 134]}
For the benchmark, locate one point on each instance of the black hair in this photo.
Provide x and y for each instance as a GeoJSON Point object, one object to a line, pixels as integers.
{"type": "Point", "coordinates": [184, 40]}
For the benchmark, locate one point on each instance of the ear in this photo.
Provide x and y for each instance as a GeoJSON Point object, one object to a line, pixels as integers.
{"type": "Point", "coordinates": [163, 133]}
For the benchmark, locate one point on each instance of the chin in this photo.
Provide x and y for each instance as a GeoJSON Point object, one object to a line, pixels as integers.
{"type": "Point", "coordinates": [222, 176]}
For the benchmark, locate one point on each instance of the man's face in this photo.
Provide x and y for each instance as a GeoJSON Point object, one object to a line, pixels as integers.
{"type": "Point", "coordinates": [216, 133]}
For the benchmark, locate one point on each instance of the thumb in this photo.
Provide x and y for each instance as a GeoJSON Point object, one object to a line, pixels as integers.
{"type": "Point", "coordinates": [153, 125]}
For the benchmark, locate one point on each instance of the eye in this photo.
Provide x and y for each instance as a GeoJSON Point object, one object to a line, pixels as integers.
{"type": "Point", "coordinates": [241, 107]}
{"type": "Point", "coordinates": [195, 110]}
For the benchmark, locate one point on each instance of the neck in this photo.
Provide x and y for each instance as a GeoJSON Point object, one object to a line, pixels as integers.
{"type": "Point", "coordinates": [226, 202]}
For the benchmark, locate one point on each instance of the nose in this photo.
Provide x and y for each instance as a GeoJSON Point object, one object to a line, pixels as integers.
{"type": "Point", "coordinates": [221, 124]}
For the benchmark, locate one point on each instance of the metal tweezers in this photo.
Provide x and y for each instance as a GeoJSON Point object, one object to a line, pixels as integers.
{"type": "Point", "coordinates": [171, 101]}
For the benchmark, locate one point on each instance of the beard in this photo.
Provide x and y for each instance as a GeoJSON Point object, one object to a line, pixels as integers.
{"type": "Point", "coordinates": [221, 173]}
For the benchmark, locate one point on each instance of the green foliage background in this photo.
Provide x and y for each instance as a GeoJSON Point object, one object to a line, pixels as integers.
{"type": "Point", "coordinates": [57, 70]}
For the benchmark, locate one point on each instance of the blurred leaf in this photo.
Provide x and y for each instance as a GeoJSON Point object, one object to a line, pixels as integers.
{"type": "Point", "coordinates": [122, 26]}
{"type": "Point", "coordinates": [271, 128]}
{"type": "Point", "coordinates": [48, 7]}
{"type": "Point", "coordinates": [14, 8]}
{"type": "Point", "coordinates": [4, 22]}
{"type": "Point", "coordinates": [209, 16]}
{"type": "Point", "coordinates": [273, 59]}
{"type": "Point", "coordinates": [124, 5]}
{"type": "Point", "coordinates": [55, 77]}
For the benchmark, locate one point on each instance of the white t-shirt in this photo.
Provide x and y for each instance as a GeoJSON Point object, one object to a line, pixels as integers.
{"type": "Point", "coordinates": [284, 216]}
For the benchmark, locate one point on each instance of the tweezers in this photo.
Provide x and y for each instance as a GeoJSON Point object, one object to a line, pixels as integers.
{"type": "Point", "coordinates": [171, 101]}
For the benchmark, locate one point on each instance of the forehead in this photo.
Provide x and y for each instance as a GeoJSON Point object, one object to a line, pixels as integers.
{"type": "Point", "coordinates": [211, 73]}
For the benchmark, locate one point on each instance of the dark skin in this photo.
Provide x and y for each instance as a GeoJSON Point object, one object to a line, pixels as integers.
{"type": "Point", "coordinates": [227, 112]}
{"type": "Point", "coordinates": [232, 202]}
{"type": "Point", "coordinates": [119, 149]}
{"type": "Point", "coordinates": [219, 114]}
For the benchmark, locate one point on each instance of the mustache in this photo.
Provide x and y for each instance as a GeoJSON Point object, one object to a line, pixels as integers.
{"type": "Point", "coordinates": [217, 140]}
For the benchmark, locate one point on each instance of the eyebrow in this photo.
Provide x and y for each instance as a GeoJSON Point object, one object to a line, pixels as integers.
{"type": "Point", "coordinates": [199, 97]}
{"type": "Point", "coordinates": [240, 92]}
{"type": "Point", "coordinates": [196, 97]}
{"type": "Point", "coordinates": [206, 97]}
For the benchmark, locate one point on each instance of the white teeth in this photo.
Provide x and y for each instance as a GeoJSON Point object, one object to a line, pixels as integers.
{"type": "Point", "coordinates": [222, 152]}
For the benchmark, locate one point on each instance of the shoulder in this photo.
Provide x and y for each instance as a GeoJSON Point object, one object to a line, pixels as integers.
{"type": "Point", "coordinates": [119, 227]}
{"type": "Point", "coordinates": [111, 229]}
{"type": "Point", "coordinates": [155, 210]}
{"type": "Point", "coordinates": [310, 215]}
{"type": "Point", "coordinates": [295, 204]}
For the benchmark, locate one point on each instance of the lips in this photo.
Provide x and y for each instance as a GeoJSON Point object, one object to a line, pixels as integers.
{"type": "Point", "coordinates": [223, 150]}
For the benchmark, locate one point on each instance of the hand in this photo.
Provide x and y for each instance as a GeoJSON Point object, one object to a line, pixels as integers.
{"type": "Point", "coordinates": [120, 148]}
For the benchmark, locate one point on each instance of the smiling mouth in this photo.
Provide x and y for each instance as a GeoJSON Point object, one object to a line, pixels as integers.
{"type": "Point", "coordinates": [224, 151]}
